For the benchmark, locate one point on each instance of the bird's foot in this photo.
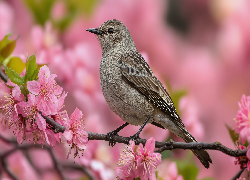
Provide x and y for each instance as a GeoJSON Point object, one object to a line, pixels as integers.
{"type": "Point", "coordinates": [133, 138]}
{"type": "Point", "coordinates": [110, 137]}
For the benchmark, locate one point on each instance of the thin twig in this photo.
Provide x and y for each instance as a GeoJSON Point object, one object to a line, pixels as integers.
{"type": "Point", "coordinates": [57, 127]}
{"type": "Point", "coordinates": [238, 174]}
{"type": "Point", "coordinates": [8, 141]}
{"type": "Point", "coordinates": [3, 76]}
{"type": "Point", "coordinates": [74, 166]}
{"type": "Point", "coordinates": [28, 147]}
{"type": "Point", "coordinates": [57, 166]}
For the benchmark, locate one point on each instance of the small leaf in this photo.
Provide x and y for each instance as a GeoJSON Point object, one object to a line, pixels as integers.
{"type": "Point", "coordinates": [41, 65]}
{"type": "Point", "coordinates": [31, 66]}
{"type": "Point", "coordinates": [35, 74]}
{"type": "Point", "coordinates": [6, 47]}
{"type": "Point", "coordinates": [13, 76]}
{"type": "Point", "coordinates": [11, 87]}
{"type": "Point", "coordinates": [176, 96]}
{"type": "Point", "coordinates": [16, 64]}
{"type": "Point", "coordinates": [232, 134]}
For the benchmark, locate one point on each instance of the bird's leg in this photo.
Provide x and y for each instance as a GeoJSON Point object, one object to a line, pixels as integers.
{"type": "Point", "coordinates": [111, 134]}
{"type": "Point", "coordinates": [136, 136]}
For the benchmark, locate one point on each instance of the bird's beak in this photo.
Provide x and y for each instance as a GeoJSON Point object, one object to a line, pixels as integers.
{"type": "Point", "coordinates": [95, 31]}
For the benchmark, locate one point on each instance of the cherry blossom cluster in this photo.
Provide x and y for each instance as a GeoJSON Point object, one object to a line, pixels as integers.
{"type": "Point", "coordinates": [242, 129]}
{"type": "Point", "coordinates": [34, 96]}
{"type": "Point", "coordinates": [243, 161]}
{"type": "Point", "coordinates": [138, 161]}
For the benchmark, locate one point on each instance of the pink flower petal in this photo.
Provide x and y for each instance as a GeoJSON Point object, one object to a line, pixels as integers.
{"type": "Point", "coordinates": [68, 135]}
{"type": "Point", "coordinates": [33, 87]}
{"type": "Point", "coordinates": [150, 144]}
{"type": "Point", "coordinates": [40, 122]}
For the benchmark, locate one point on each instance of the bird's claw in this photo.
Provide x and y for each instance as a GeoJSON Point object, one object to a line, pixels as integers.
{"type": "Point", "coordinates": [133, 138]}
{"type": "Point", "coordinates": [110, 138]}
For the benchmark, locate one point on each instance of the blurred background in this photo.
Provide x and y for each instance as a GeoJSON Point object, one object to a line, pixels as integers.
{"type": "Point", "coordinates": [200, 50]}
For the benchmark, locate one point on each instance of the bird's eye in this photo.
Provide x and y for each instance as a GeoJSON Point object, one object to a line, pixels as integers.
{"type": "Point", "coordinates": [110, 30]}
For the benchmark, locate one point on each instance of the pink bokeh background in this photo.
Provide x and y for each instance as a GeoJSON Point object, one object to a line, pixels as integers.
{"type": "Point", "coordinates": [210, 60]}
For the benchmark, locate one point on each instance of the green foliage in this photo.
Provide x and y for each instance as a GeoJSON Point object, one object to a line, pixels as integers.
{"type": "Point", "coordinates": [31, 69]}
{"type": "Point", "coordinates": [175, 95]}
{"type": "Point", "coordinates": [16, 64]}
{"type": "Point", "coordinates": [7, 46]}
{"type": "Point", "coordinates": [234, 136]}
{"type": "Point", "coordinates": [165, 154]}
{"type": "Point", "coordinates": [40, 9]}
{"type": "Point", "coordinates": [13, 76]}
{"type": "Point", "coordinates": [187, 168]}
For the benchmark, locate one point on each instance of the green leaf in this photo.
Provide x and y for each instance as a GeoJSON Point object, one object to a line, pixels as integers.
{"type": "Point", "coordinates": [6, 47]}
{"type": "Point", "coordinates": [31, 67]}
{"type": "Point", "coordinates": [11, 87]}
{"type": "Point", "coordinates": [232, 134]}
{"type": "Point", "coordinates": [41, 9]}
{"type": "Point", "coordinates": [16, 64]}
{"type": "Point", "coordinates": [165, 154]}
{"type": "Point", "coordinates": [187, 168]}
{"type": "Point", "coordinates": [176, 96]}
{"type": "Point", "coordinates": [35, 74]}
{"type": "Point", "coordinates": [13, 76]}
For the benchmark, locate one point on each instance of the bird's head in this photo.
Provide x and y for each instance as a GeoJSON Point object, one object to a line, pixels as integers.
{"type": "Point", "coordinates": [112, 34]}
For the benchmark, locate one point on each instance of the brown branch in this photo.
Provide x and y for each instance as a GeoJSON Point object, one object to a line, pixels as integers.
{"type": "Point", "coordinates": [238, 174]}
{"type": "Point", "coordinates": [173, 145]}
{"type": "Point", "coordinates": [25, 148]}
{"type": "Point", "coordinates": [56, 127]}
{"type": "Point", "coordinates": [74, 166]}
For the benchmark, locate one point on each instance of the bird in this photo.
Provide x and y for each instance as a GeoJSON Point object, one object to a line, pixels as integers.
{"type": "Point", "coordinates": [132, 91]}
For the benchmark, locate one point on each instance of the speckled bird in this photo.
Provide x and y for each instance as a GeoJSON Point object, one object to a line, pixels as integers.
{"type": "Point", "coordinates": [131, 89]}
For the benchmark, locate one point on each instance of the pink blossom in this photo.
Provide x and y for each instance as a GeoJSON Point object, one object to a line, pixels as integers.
{"type": "Point", "coordinates": [46, 91]}
{"type": "Point", "coordinates": [243, 161]}
{"type": "Point", "coordinates": [41, 136]}
{"type": "Point", "coordinates": [138, 163]}
{"type": "Point", "coordinates": [75, 134]}
{"type": "Point", "coordinates": [128, 163]}
{"type": "Point", "coordinates": [242, 126]}
{"type": "Point", "coordinates": [30, 111]}
{"type": "Point", "coordinates": [148, 160]}
{"type": "Point", "coordinates": [10, 107]}
{"type": "Point", "coordinates": [167, 170]}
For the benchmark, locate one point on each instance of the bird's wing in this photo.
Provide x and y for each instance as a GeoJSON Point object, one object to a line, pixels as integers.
{"type": "Point", "coordinates": [137, 73]}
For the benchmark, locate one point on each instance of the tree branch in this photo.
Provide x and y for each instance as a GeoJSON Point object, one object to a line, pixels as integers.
{"type": "Point", "coordinates": [173, 145]}
{"type": "Point", "coordinates": [28, 147]}
{"type": "Point", "coordinates": [238, 174]}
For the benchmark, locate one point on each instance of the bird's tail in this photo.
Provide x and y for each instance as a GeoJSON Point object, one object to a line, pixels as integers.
{"type": "Point", "coordinates": [202, 154]}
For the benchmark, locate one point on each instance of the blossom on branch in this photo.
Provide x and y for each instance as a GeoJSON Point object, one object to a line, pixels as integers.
{"type": "Point", "coordinates": [242, 126]}
{"type": "Point", "coordinates": [10, 107]}
{"type": "Point", "coordinates": [75, 134]}
{"type": "Point", "coordinates": [138, 162]}
{"type": "Point", "coordinates": [29, 110]}
{"type": "Point", "coordinates": [128, 162]}
{"type": "Point", "coordinates": [46, 91]}
{"type": "Point", "coordinates": [243, 161]}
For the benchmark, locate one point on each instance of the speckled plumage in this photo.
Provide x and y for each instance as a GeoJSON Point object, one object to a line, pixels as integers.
{"type": "Point", "coordinates": [130, 87]}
